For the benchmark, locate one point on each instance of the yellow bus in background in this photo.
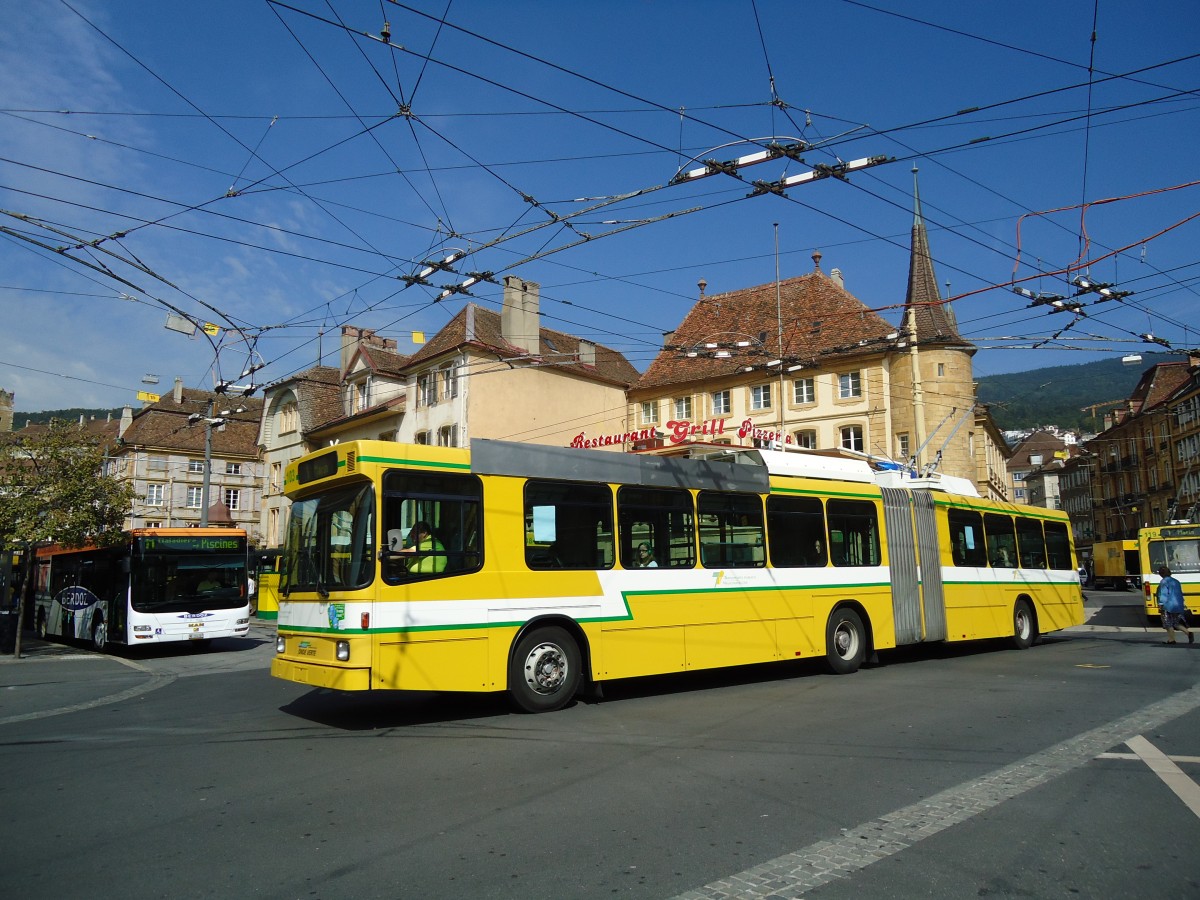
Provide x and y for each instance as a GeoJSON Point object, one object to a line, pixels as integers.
{"type": "Point", "coordinates": [1175, 546]}
{"type": "Point", "coordinates": [541, 570]}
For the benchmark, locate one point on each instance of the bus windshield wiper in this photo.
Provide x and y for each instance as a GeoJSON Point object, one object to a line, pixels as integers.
{"type": "Point", "coordinates": [322, 590]}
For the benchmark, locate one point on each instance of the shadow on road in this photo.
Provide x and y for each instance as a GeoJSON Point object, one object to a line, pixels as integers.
{"type": "Point", "coordinates": [372, 710]}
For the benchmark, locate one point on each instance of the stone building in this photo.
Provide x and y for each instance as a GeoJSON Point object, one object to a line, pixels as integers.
{"type": "Point", "coordinates": [6, 410]}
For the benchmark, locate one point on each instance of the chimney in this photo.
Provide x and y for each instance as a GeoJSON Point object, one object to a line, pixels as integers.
{"type": "Point", "coordinates": [816, 258]}
{"type": "Point", "coordinates": [836, 275]}
{"type": "Point", "coordinates": [352, 336]}
{"type": "Point", "coordinates": [126, 421]}
{"type": "Point", "coordinates": [703, 285]}
{"type": "Point", "coordinates": [177, 393]}
{"type": "Point", "coordinates": [520, 321]}
{"type": "Point", "coordinates": [587, 353]}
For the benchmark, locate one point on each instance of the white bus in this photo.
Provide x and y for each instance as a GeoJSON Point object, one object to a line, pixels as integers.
{"type": "Point", "coordinates": [161, 584]}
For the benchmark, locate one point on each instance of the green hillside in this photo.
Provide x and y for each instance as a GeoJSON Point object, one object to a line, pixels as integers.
{"type": "Point", "coordinates": [1057, 395]}
{"type": "Point", "coordinates": [67, 415]}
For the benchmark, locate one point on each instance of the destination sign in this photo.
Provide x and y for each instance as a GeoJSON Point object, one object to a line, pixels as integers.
{"type": "Point", "coordinates": [187, 544]}
{"type": "Point", "coordinates": [318, 467]}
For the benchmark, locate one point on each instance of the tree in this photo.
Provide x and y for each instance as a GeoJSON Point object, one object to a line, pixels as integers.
{"type": "Point", "coordinates": [53, 488]}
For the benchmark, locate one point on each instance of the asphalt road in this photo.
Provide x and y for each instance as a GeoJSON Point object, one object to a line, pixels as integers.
{"type": "Point", "coordinates": [949, 772]}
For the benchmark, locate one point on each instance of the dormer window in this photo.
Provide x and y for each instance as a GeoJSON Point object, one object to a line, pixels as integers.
{"type": "Point", "coordinates": [360, 395]}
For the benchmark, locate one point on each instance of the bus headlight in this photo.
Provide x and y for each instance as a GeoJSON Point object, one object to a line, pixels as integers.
{"type": "Point", "coordinates": [280, 644]}
{"type": "Point", "coordinates": [343, 651]}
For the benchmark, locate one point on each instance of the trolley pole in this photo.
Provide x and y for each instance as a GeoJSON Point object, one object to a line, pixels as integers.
{"type": "Point", "coordinates": [207, 466]}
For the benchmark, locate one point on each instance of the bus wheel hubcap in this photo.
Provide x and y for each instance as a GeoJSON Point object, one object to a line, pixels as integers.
{"type": "Point", "coordinates": [845, 641]}
{"type": "Point", "coordinates": [546, 668]}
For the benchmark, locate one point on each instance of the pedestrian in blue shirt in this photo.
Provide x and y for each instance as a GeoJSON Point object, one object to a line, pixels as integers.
{"type": "Point", "coordinates": [1171, 606]}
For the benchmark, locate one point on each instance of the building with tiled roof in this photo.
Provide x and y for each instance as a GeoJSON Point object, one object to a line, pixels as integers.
{"type": "Point", "coordinates": [163, 447]}
{"type": "Point", "coordinates": [503, 375]}
{"type": "Point", "coordinates": [1036, 450]}
{"type": "Point", "coordinates": [804, 363]}
{"type": "Point", "coordinates": [484, 374]}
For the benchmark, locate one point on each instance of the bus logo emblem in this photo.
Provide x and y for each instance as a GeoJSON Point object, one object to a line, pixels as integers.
{"type": "Point", "coordinates": [76, 598]}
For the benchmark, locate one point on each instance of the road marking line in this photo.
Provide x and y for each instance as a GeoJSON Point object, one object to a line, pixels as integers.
{"type": "Point", "coordinates": [796, 873]}
{"type": "Point", "coordinates": [155, 682]}
{"type": "Point", "coordinates": [1173, 776]}
{"type": "Point", "coordinates": [1173, 757]}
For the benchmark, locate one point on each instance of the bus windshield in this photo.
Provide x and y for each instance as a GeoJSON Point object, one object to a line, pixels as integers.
{"type": "Point", "coordinates": [330, 542]}
{"type": "Point", "coordinates": [1182, 555]}
{"type": "Point", "coordinates": [188, 574]}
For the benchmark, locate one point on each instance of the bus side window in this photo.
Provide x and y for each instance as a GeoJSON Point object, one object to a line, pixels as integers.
{"type": "Point", "coordinates": [966, 538]}
{"type": "Point", "coordinates": [1001, 542]}
{"type": "Point", "coordinates": [448, 506]}
{"type": "Point", "coordinates": [1058, 546]}
{"type": "Point", "coordinates": [663, 519]}
{"type": "Point", "coordinates": [853, 533]}
{"type": "Point", "coordinates": [796, 529]}
{"type": "Point", "coordinates": [1031, 543]}
{"type": "Point", "coordinates": [568, 525]}
{"type": "Point", "coordinates": [731, 530]}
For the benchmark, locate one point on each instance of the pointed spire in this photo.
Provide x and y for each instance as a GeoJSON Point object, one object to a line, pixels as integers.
{"type": "Point", "coordinates": [935, 321]}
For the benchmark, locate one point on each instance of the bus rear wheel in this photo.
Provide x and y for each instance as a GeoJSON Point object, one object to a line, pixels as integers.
{"type": "Point", "coordinates": [99, 634]}
{"type": "Point", "coordinates": [845, 642]}
{"type": "Point", "coordinates": [1024, 627]}
{"type": "Point", "coordinates": [545, 670]}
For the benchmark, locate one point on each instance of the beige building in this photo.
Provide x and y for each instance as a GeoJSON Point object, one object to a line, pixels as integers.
{"type": "Point", "coordinates": [504, 375]}
{"type": "Point", "coordinates": [803, 363]}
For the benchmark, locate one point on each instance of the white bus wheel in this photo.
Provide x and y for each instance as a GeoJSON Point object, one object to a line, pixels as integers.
{"type": "Point", "coordinates": [1024, 629]}
{"type": "Point", "coordinates": [845, 642]}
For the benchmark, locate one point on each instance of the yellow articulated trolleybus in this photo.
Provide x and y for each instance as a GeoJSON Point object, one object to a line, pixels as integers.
{"type": "Point", "coordinates": [539, 570]}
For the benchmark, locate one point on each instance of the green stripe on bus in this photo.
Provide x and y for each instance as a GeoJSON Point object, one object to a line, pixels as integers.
{"type": "Point", "coordinates": [427, 463]}
{"type": "Point", "coordinates": [824, 493]}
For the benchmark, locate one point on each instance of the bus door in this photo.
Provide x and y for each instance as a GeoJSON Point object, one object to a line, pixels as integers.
{"type": "Point", "coordinates": [918, 603]}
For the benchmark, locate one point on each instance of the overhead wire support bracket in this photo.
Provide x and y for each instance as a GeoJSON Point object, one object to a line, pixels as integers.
{"type": "Point", "coordinates": [839, 170]}
{"type": "Point", "coordinates": [772, 150]}
{"type": "Point", "coordinates": [1104, 290]}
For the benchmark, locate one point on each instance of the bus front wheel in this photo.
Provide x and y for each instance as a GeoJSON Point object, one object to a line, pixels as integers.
{"type": "Point", "coordinates": [845, 642]}
{"type": "Point", "coordinates": [545, 669]}
{"type": "Point", "coordinates": [1024, 627]}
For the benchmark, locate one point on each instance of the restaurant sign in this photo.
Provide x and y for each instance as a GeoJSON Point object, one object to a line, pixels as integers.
{"type": "Point", "coordinates": [677, 432]}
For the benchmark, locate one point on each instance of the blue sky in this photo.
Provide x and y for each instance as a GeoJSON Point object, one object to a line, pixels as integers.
{"type": "Point", "coordinates": [277, 169]}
